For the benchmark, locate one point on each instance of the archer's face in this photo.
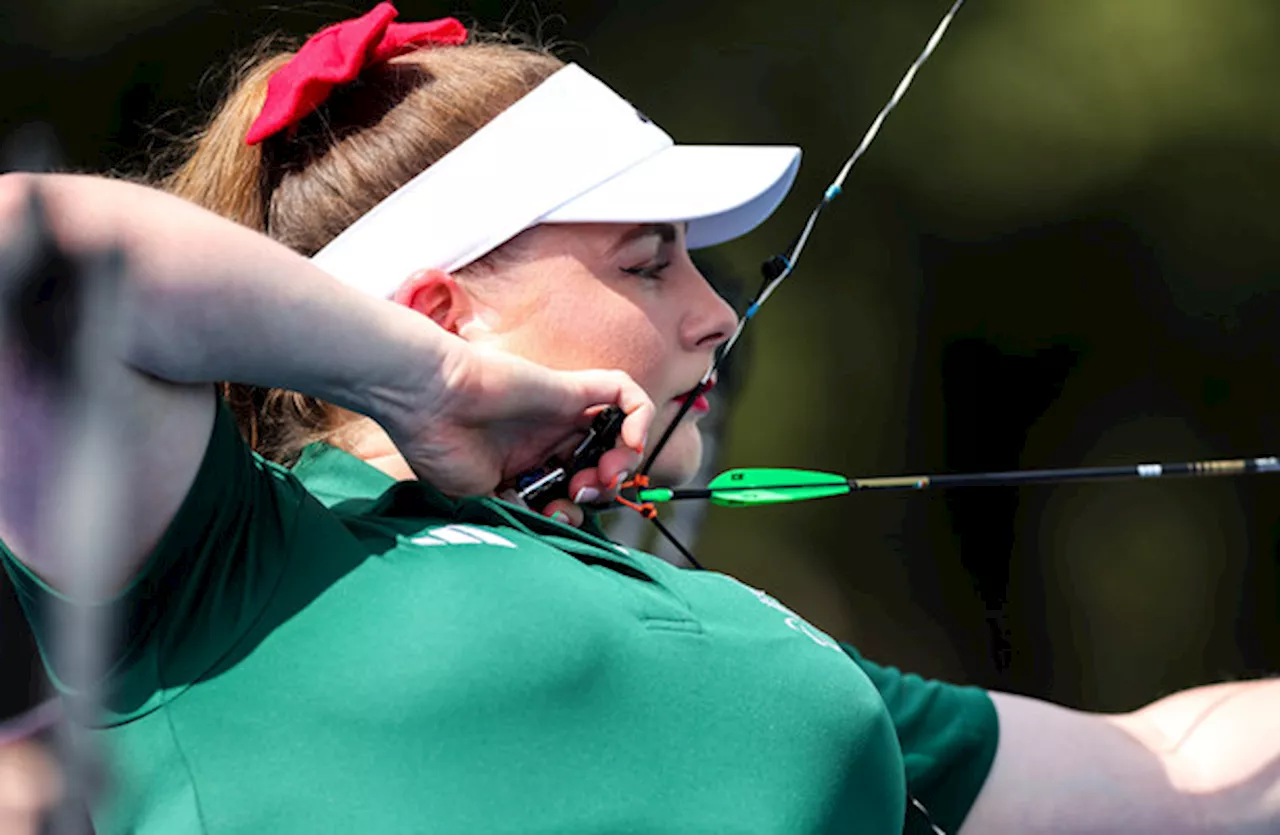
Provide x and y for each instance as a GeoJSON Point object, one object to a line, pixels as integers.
{"type": "Point", "coordinates": [578, 296]}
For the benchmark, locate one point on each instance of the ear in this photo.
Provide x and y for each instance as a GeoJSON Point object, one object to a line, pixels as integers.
{"type": "Point", "coordinates": [436, 295]}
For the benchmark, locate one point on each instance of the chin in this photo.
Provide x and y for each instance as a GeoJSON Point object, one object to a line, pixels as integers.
{"type": "Point", "coordinates": [678, 464]}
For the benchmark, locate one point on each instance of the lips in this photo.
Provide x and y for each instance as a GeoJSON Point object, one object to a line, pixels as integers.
{"type": "Point", "coordinates": [701, 404]}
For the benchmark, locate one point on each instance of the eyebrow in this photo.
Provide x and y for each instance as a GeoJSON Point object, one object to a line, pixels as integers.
{"type": "Point", "coordinates": [666, 232]}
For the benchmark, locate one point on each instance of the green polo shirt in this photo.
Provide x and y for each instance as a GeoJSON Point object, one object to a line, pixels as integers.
{"type": "Point", "coordinates": [325, 650]}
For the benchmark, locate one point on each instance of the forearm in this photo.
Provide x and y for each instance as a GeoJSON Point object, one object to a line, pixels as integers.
{"type": "Point", "coordinates": [1203, 761]}
{"type": "Point", "coordinates": [209, 300]}
{"type": "Point", "coordinates": [204, 300]}
{"type": "Point", "coordinates": [1224, 743]}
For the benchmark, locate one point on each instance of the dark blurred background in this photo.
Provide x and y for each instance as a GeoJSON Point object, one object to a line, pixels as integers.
{"type": "Point", "coordinates": [1062, 250]}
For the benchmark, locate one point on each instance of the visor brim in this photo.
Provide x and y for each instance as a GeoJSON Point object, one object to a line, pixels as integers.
{"type": "Point", "coordinates": [721, 191]}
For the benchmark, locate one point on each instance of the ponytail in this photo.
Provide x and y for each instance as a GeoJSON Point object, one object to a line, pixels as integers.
{"type": "Point", "coordinates": [303, 188]}
{"type": "Point", "coordinates": [221, 172]}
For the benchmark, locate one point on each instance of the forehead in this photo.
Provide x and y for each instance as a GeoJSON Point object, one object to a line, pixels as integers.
{"type": "Point", "coordinates": [586, 242]}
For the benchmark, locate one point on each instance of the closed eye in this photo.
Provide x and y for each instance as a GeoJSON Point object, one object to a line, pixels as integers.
{"type": "Point", "coordinates": [652, 271]}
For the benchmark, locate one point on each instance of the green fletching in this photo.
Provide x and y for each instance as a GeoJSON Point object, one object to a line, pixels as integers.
{"type": "Point", "coordinates": [745, 488]}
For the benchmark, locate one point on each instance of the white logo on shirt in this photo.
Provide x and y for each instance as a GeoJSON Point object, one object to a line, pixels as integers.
{"type": "Point", "coordinates": [796, 622]}
{"type": "Point", "coordinates": [461, 535]}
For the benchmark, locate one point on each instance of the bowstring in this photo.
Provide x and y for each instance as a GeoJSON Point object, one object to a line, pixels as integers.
{"type": "Point", "coordinates": [836, 188]}
{"type": "Point", "coordinates": [778, 268]}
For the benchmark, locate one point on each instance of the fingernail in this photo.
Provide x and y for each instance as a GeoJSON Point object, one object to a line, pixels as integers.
{"type": "Point", "coordinates": [619, 479]}
{"type": "Point", "coordinates": [561, 517]}
{"type": "Point", "coordinates": [586, 494]}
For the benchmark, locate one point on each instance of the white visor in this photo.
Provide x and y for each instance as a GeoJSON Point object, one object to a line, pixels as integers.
{"type": "Point", "coordinates": [571, 151]}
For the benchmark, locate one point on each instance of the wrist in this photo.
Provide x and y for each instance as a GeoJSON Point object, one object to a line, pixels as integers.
{"type": "Point", "coordinates": [430, 370]}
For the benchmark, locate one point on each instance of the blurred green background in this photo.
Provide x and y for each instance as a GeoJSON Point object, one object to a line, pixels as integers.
{"type": "Point", "coordinates": [1061, 251]}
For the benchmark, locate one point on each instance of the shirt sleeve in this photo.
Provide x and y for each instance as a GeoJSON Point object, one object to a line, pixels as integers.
{"type": "Point", "coordinates": [948, 736]}
{"type": "Point", "coordinates": [201, 585]}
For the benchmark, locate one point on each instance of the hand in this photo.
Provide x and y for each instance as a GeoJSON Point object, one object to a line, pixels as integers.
{"type": "Point", "coordinates": [491, 416]}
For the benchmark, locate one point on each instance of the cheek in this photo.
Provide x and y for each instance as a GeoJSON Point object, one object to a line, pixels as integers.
{"type": "Point", "coordinates": [589, 330]}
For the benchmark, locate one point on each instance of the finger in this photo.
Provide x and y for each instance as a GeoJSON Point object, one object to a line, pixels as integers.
{"type": "Point", "coordinates": [635, 428]}
{"type": "Point", "coordinates": [616, 466]}
{"type": "Point", "coordinates": [586, 488]}
{"type": "Point", "coordinates": [565, 512]}
{"type": "Point", "coordinates": [640, 414]}
{"type": "Point", "coordinates": [617, 387]}
{"type": "Point", "coordinates": [600, 483]}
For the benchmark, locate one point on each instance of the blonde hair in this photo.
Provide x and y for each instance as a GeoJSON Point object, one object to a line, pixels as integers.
{"type": "Point", "coordinates": [304, 187]}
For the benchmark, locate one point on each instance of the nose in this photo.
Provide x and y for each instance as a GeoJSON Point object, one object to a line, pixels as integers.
{"type": "Point", "coordinates": [709, 320]}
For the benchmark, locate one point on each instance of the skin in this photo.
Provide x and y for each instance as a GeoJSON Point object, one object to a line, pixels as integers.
{"type": "Point", "coordinates": [578, 296]}
{"type": "Point", "coordinates": [29, 784]}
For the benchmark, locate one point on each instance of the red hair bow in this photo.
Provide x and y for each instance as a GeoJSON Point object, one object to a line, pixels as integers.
{"type": "Point", "coordinates": [336, 55]}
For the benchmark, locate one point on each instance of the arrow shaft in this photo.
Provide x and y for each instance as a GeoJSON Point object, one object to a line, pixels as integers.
{"type": "Point", "coordinates": [1220, 467]}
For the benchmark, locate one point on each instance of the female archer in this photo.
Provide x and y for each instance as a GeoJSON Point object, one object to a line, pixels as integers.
{"type": "Point", "coordinates": [408, 248]}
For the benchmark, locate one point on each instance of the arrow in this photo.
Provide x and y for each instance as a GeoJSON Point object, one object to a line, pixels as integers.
{"type": "Point", "coordinates": [754, 487]}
